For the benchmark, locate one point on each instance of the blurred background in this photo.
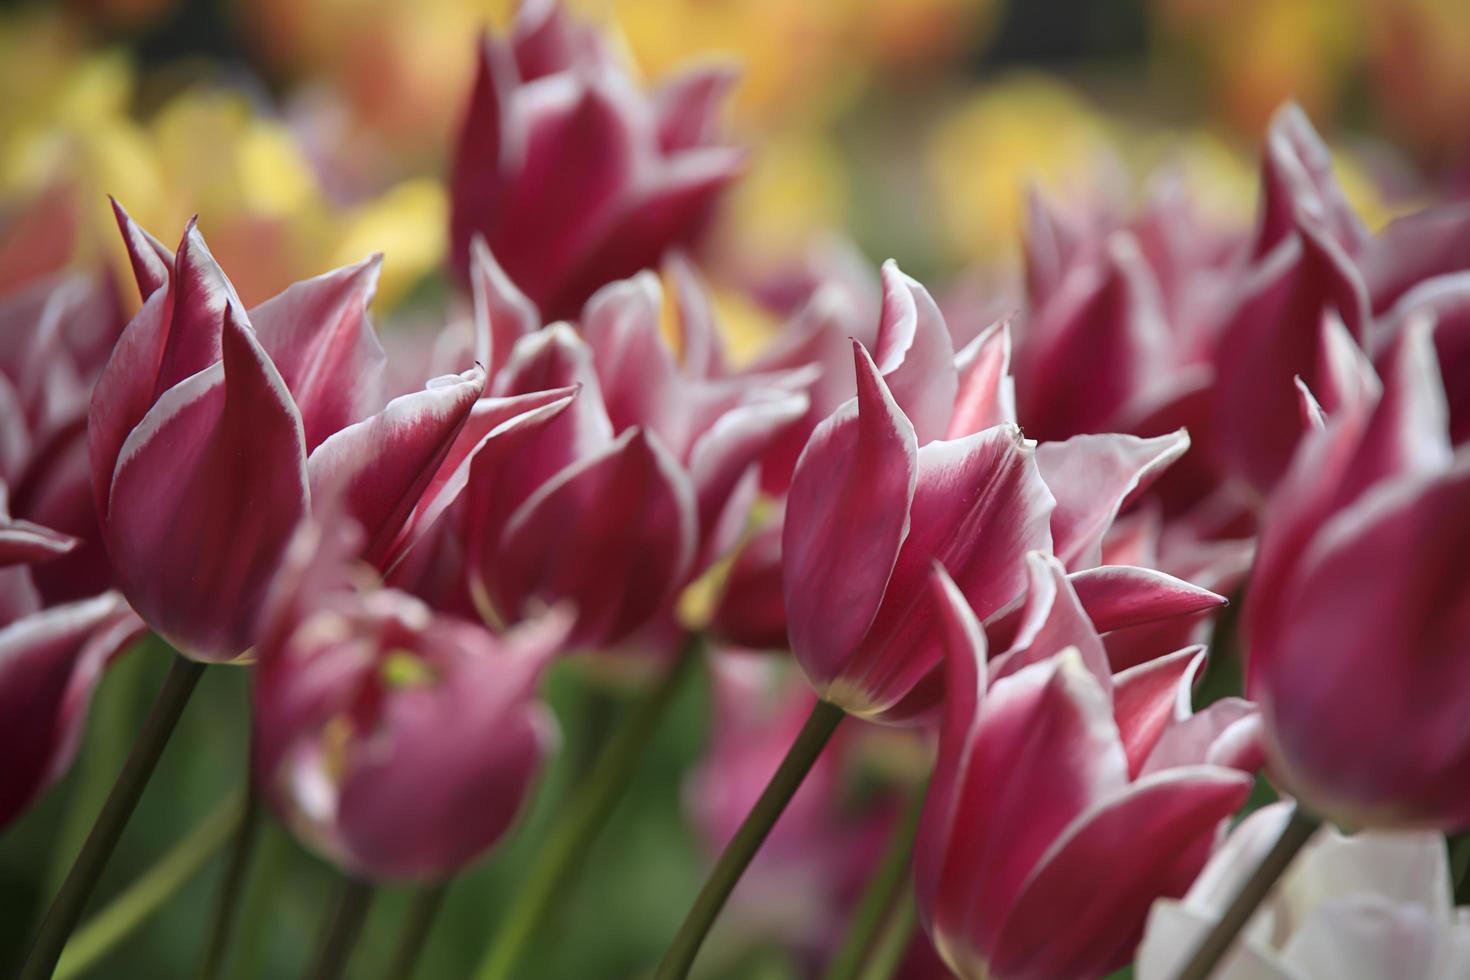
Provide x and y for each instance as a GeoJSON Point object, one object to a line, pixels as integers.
{"type": "Point", "coordinates": [307, 133]}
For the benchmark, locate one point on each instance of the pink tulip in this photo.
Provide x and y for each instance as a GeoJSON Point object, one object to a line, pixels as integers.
{"type": "Point", "coordinates": [627, 474]}
{"type": "Point", "coordinates": [871, 509]}
{"type": "Point", "coordinates": [1356, 623]}
{"type": "Point", "coordinates": [1056, 778]}
{"type": "Point", "coordinates": [398, 742]}
{"type": "Point", "coordinates": [55, 336]}
{"type": "Point", "coordinates": [50, 660]}
{"type": "Point", "coordinates": [573, 175]}
{"type": "Point", "coordinates": [212, 430]}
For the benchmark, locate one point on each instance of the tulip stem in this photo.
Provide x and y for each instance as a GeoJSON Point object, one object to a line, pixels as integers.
{"type": "Point", "coordinates": [418, 922]}
{"type": "Point", "coordinates": [129, 910]}
{"type": "Point", "coordinates": [879, 897]}
{"type": "Point", "coordinates": [810, 742]}
{"type": "Point", "coordinates": [1298, 830]}
{"type": "Point", "coordinates": [569, 839]}
{"type": "Point", "coordinates": [69, 903]}
{"type": "Point", "coordinates": [339, 934]}
{"type": "Point", "coordinates": [893, 942]}
{"type": "Point", "coordinates": [233, 883]}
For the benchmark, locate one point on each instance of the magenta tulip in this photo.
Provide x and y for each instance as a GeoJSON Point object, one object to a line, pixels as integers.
{"type": "Point", "coordinates": [1055, 776]}
{"type": "Point", "coordinates": [211, 431]}
{"type": "Point", "coordinates": [573, 175]}
{"type": "Point", "coordinates": [1356, 627]}
{"type": "Point", "coordinates": [398, 742]}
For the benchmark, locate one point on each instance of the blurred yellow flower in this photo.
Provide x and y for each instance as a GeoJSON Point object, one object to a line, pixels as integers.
{"type": "Point", "coordinates": [1019, 131]}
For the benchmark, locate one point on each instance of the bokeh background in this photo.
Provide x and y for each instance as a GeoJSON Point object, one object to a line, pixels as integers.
{"type": "Point", "coordinates": [307, 133]}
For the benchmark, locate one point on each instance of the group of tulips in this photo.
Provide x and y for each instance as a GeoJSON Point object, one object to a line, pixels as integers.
{"type": "Point", "coordinates": [1007, 541]}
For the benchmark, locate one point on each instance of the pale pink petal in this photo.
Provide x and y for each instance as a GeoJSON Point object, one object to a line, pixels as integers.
{"type": "Point", "coordinates": [1093, 477]}
{"type": "Point", "coordinates": [318, 335]}
{"type": "Point", "coordinates": [986, 395]}
{"type": "Point", "coordinates": [915, 354]}
{"type": "Point", "coordinates": [690, 106]}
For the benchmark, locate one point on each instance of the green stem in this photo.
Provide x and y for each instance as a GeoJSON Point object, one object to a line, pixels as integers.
{"type": "Point", "coordinates": [339, 933]}
{"type": "Point", "coordinates": [143, 897]}
{"type": "Point", "coordinates": [66, 909]}
{"type": "Point", "coordinates": [571, 837]}
{"type": "Point", "coordinates": [1298, 830]}
{"type": "Point", "coordinates": [229, 894]}
{"type": "Point", "coordinates": [813, 738]}
{"type": "Point", "coordinates": [879, 897]}
{"type": "Point", "coordinates": [418, 922]}
{"type": "Point", "coordinates": [893, 941]}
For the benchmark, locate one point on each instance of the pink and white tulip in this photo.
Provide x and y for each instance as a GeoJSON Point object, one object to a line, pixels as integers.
{"type": "Point", "coordinates": [212, 430]}
{"type": "Point", "coordinates": [572, 174]}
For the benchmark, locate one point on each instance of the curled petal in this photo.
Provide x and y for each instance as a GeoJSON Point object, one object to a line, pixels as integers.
{"type": "Point", "coordinates": [915, 354]}
{"type": "Point", "coordinates": [381, 465]}
{"type": "Point", "coordinates": [986, 394]}
{"type": "Point", "coordinates": [1093, 477]}
{"type": "Point", "coordinates": [503, 314]}
{"type": "Point", "coordinates": [318, 336]}
{"type": "Point", "coordinates": [1051, 620]}
{"type": "Point", "coordinates": [1147, 698]}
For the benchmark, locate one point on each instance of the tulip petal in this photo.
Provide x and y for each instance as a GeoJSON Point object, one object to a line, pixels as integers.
{"type": "Point", "coordinates": [1415, 248]}
{"type": "Point", "coordinates": [1227, 733]}
{"type": "Point", "coordinates": [1400, 868]}
{"type": "Point", "coordinates": [503, 314]}
{"type": "Point", "coordinates": [381, 465]}
{"type": "Point", "coordinates": [477, 182]}
{"type": "Point", "coordinates": [1051, 620]}
{"type": "Point", "coordinates": [49, 665]}
{"type": "Point", "coordinates": [614, 533]}
{"type": "Point", "coordinates": [219, 462]}
{"type": "Point", "coordinates": [1148, 842]}
{"type": "Point", "coordinates": [1009, 809]}
{"type": "Point", "coordinates": [555, 357]}
{"type": "Point", "coordinates": [846, 517]}
{"type": "Point", "coordinates": [151, 260]}
{"type": "Point", "coordinates": [728, 450]}
{"type": "Point", "coordinates": [1119, 596]}
{"type": "Point", "coordinates": [318, 336]}
{"type": "Point", "coordinates": [1093, 478]}
{"type": "Point", "coordinates": [1148, 697]}
{"type": "Point", "coordinates": [689, 107]}
{"type": "Point", "coordinates": [915, 354]}
{"type": "Point", "coordinates": [964, 653]}
{"type": "Point", "coordinates": [986, 394]}
{"type": "Point", "coordinates": [1297, 176]}
{"type": "Point", "coordinates": [1175, 931]}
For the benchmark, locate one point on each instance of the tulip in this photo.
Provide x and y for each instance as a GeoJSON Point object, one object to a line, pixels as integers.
{"type": "Point", "coordinates": [1054, 775]}
{"type": "Point", "coordinates": [1355, 624]}
{"type": "Point", "coordinates": [870, 509]}
{"type": "Point", "coordinates": [212, 430]}
{"type": "Point", "coordinates": [51, 658]}
{"type": "Point", "coordinates": [575, 177]}
{"type": "Point", "coordinates": [1377, 904]}
{"type": "Point", "coordinates": [626, 476]}
{"type": "Point", "coordinates": [55, 336]}
{"type": "Point", "coordinates": [398, 742]}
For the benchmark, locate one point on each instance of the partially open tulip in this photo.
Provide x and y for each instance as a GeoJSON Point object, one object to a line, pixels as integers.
{"type": "Point", "coordinates": [927, 465]}
{"type": "Point", "coordinates": [50, 660]}
{"type": "Point", "coordinates": [55, 337]}
{"type": "Point", "coordinates": [1056, 779]}
{"type": "Point", "coordinates": [1373, 905]}
{"type": "Point", "coordinates": [398, 742]}
{"type": "Point", "coordinates": [622, 476]}
{"type": "Point", "coordinates": [1358, 642]}
{"type": "Point", "coordinates": [212, 429]}
{"type": "Point", "coordinates": [573, 175]}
